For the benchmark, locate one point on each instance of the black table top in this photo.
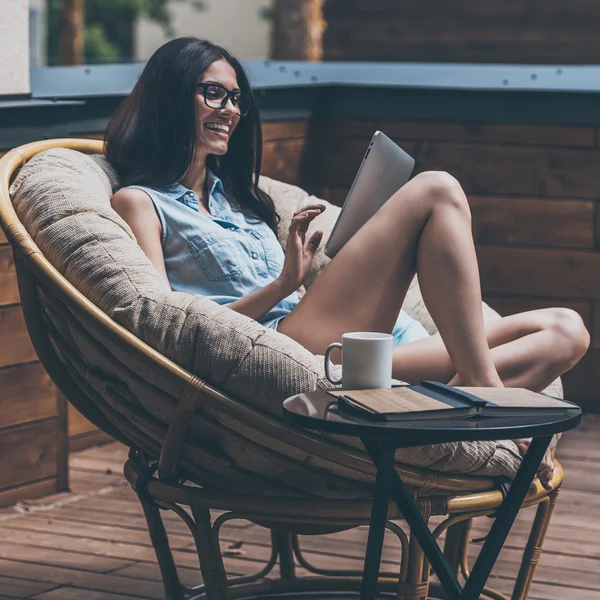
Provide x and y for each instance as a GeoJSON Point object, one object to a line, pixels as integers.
{"type": "Point", "coordinates": [319, 411]}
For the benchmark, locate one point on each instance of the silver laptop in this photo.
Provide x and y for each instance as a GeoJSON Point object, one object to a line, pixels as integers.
{"type": "Point", "coordinates": [383, 171]}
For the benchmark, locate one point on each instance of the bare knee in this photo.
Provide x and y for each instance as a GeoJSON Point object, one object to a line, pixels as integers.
{"type": "Point", "coordinates": [572, 336]}
{"type": "Point", "coordinates": [439, 188]}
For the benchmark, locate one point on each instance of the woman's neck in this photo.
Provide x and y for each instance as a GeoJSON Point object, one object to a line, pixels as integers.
{"type": "Point", "coordinates": [195, 180]}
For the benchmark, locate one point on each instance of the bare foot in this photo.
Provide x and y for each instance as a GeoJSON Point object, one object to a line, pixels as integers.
{"type": "Point", "coordinates": [546, 470]}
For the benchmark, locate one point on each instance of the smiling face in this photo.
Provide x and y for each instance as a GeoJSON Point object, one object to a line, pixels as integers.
{"type": "Point", "coordinates": [215, 126]}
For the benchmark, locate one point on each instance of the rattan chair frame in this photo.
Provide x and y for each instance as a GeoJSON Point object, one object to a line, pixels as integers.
{"type": "Point", "coordinates": [165, 460]}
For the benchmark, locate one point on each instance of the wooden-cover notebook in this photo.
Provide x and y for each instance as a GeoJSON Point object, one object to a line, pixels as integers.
{"type": "Point", "coordinates": [433, 400]}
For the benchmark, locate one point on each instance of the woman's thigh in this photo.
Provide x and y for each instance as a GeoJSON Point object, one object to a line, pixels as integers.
{"type": "Point", "coordinates": [364, 285]}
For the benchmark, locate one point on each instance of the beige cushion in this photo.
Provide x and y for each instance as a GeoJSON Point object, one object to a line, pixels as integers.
{"type": "Point", "coordinates": [63, 199]}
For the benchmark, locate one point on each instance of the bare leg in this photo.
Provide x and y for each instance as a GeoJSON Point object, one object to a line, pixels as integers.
{"type": "Point", "coordinates": [424, 227]}
{"type": "Point", "coordinates": [529, 350]}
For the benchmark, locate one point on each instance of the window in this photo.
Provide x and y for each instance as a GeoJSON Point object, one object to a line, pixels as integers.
{"type": "Point", "coordinates": [131, 30]}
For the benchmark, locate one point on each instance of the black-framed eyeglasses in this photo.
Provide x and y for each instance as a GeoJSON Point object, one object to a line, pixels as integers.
{"type": "Point", "coordinates": [216, 96]}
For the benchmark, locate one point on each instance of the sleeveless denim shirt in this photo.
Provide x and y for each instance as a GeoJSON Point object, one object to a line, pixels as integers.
{"type": "Point", "coordinates": [226, 255]}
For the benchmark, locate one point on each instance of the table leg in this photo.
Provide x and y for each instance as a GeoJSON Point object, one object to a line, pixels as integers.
{"type": "Point", "coordinates": [429, 545]}
{"type": "Point", "coordinates": [379, 510]}
{"type": "Point", "coordinates": [505, 517]}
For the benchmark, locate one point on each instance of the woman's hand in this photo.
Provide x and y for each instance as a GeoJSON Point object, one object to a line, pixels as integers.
{"type": "Point", "coordinates": [298, 257]}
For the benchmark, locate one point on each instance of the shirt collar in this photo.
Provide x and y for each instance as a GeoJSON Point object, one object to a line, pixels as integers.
{"type": "Point", "coordinates": [214, 184]}
{"type": "Point", "coordinates": [216, 193]}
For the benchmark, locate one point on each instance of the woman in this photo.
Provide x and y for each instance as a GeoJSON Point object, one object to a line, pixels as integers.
{"type": "Point", "coordinates": [187, 146]}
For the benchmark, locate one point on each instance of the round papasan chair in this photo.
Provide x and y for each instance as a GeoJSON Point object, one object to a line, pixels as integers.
{"type": "Point", "coordinates": [196, 389]}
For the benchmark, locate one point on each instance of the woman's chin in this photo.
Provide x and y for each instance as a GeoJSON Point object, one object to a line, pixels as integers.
{"type": "Point", "coordinates": [218, 149]}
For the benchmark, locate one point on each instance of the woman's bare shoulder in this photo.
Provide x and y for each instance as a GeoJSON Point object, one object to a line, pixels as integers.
{"type": "Point", "coordinates": [130, 198]}
{"type": "Point", "coordinates": [135, 206]}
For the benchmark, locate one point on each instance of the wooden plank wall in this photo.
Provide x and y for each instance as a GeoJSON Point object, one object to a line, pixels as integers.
{"type": "Point", "coordinates": [27, 397]}
{"type": "Point", "coordinates": [534, 193]}
{"type": "Point", "coordinates": [490, 31]}
{"type": "Point", "coordinates": [32, 422]}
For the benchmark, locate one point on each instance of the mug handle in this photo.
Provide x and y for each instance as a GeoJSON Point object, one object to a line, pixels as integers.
{"type": "Point", "coordinates": [327, 353]}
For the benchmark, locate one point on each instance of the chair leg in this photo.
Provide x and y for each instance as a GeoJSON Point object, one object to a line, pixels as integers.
{"type": "Point", "coordinates": [533, 550]}
{"type": "Point", "coordinates": [456, 545]}
{"type": "Point", "coordinates": [209, 555]}
{"type": "Point", "coordinates": [283, 542]}
{"type": "Point", "coordinates": [160, 541]}
{"type": "Point", "coordinates": [416, 586]}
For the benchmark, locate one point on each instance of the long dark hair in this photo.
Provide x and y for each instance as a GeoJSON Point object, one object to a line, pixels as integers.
{"type": "Point", "coordinates": [151, 139]}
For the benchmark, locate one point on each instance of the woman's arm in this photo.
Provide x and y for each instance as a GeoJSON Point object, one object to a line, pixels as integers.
{"type": "Point", "coordinates": [298, 260]}
{"type": "Point", "coordinates": [137, 210]}
{"type": "Point", "coordinates": [259, 303]}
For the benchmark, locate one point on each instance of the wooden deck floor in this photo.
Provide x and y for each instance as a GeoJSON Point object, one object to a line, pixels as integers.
{"type": "Point", "coordinates": [92, 543]}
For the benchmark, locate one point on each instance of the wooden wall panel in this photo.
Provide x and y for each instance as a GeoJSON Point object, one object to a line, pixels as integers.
{"type": "Point", "coordinates": [595, 327]}
{"type": "Point", "coordinates": [284, 130]}
{"type": "Point", "coordinates": [26, 394]}
{"type": "Point", "coordinates": [282, 159]}
{"type": "Point", "coordinates": [533, 222]}
{"type": "Point", "coordinates": [494, 31]}
{"type": "Point", "coordinates": [505, 133]}
{"type": "Point", "coordinates": [32, 458]}
{"type": "Point", "coordinates": [9, 291]}
{"type": "Point", "coordinates": [27, 453]}
{"type": "Point", "coordinates": [527, 271]}
{"type": "Point", "coordinates": [16, 347]}
{"type": "Point", "coordinates": [583, 382]}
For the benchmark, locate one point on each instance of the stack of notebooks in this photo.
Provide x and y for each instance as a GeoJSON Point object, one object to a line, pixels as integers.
{"type": "Point", "coordinates": [433, 400]}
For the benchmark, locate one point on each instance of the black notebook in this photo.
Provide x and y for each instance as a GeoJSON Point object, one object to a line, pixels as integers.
{"type": "Point", "coordinates": [433, 400]}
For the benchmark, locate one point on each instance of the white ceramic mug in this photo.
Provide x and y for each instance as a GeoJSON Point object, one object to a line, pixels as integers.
{"type": "Point", "coordinates": [366, 360]}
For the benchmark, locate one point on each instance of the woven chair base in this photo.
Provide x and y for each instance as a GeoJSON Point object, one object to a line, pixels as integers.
{"type": "Point", "coordinates": [279, 576]}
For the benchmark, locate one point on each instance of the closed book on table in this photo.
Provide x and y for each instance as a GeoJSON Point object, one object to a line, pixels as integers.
{"type": "Point", "coordinates": [433, 400]}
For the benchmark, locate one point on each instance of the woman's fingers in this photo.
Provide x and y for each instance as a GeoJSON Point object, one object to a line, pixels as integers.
{"type": "Point", "coordinates": [302, 220]}
{"type": "Point", "coordinates": [319, 207]}
{"type": "Point", "coordinates": [313, 212]}
{"type": "Point", "coordinates": [315, 240]}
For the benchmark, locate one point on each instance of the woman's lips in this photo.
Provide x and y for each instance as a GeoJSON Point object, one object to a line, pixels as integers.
{"type": "Point", "coordinates": [222, 130]}
{"type": "Point", "coordinates": [220, 134]}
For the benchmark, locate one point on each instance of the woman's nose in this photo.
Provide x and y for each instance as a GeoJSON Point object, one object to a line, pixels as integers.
{"type": "Point", "coordinates": [230, 107]}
